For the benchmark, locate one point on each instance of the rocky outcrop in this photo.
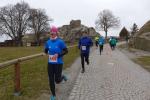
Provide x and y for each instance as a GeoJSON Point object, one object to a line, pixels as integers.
{"type": "Point", "coordinates": [141, 39]}
{"type": "Point", "coordinates": [145, 36]}
{"type": "Point", "coordinates": [75, 30]}
{"type": "Point", "coordinates": [75, 23]}
{"type": "Point", "coordinates": [144, 29]}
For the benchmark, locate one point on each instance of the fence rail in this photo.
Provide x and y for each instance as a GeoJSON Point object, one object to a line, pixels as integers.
{"type": "Point", "coordinates": [10, 62]}
{"type": "Point", "coordinates": [16, 63]}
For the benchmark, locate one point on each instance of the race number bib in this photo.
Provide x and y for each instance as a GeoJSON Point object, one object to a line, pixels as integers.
{"type": "Point", "coordinates": [83, 47]}
{"type": "Point", "coordinates": [52, 58]}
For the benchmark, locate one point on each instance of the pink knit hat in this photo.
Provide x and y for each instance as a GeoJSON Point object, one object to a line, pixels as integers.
{"type": "Point", "coordinates": [53, 29]}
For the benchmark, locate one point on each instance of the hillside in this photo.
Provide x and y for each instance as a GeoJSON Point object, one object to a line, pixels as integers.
{"type": "Point", "coordinates": [144, 29]}
{"type": "Point", "coordinates": [142, 38]}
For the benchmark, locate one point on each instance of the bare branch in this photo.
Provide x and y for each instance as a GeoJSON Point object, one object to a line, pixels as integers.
{"type": "Point", "coordinates": [14, 19]}
{"type": "Point", "coordinates": [106, 20]}
{"type": "Point", "coordinates": [38, 22]}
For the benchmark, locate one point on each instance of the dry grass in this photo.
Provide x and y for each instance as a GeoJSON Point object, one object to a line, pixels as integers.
{"type": "Point", "coordinates": [144, 61]}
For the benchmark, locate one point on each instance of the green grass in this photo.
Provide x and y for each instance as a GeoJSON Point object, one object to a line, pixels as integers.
{"type": "Point", "coordinates": [144, 61]}
{"type": "Point", "coordinates": [8, 53]}
{"type": "Point", "coordinates": [124, 46]}
{"type": "Point", "coordinates": [34, 78]}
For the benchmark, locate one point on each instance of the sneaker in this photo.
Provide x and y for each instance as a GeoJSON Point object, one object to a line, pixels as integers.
{"type": "Point", "coordinates": [64, 77]}
{"type": "Point", "coordinates": [88, 63]}
{"type": "Point", "coordinates": [52, 98]}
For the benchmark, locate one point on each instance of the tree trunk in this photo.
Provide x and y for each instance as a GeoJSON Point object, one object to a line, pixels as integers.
{"type": "Point", "coordinates": [19, 41]}
{"type": "Point", "coordinates": [105, 35]}
{"type": "Point", "coordinates": [38, 39]}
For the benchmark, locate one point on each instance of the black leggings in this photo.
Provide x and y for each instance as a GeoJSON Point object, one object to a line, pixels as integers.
{"type": "Point", "coordinates": [55, 75]}
{"type": "Point", "coordinates": [100, 48]}
{"type": "Point", "coordinates": [113, 46]}
{"type": "Point", "coordinates": [86, 57]}
{"type": "Point", "coordinates": [96, 43]}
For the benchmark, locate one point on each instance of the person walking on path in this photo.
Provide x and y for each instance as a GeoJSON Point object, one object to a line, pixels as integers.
{"type": "Point", "coordinates": [101, 42]}
{"type": "Point", "coordinates": [96, 41]}
{"type": "Point", "coordinates": [113, 42]}
{"type": "Point", "coordinates": [84, 45]}
{"type": "Point", "coordinates": [55, 48]}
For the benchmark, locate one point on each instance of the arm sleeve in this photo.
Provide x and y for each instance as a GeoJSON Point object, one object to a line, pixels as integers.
{"type": "Point", "coordinates": [91, 42]}
{"type": "Point", "coordinates": [79, 44]}
{"type": "Point", "coordinates": [64, 49]}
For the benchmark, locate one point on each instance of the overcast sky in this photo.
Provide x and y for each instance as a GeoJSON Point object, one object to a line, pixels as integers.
{"type": "Point", "coordinates": [62, 11]}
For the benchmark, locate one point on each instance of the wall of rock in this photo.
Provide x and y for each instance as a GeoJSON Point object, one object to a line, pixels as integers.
{"type": "Point", "coordinates": [74, 30]}
{"type": "Point", "coordinates": [142, 41]}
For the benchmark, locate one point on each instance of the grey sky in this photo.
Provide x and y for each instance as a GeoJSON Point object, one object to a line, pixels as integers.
{"type": "Point", "coordinates": [62, 11]}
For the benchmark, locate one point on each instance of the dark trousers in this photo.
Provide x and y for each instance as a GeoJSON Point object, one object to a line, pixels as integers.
{"type": "Point", "coordinates": [113, 46]}
{"type": "Point", "coordinates": [84, 57]}
{"type": "Point", "coordinates": [100, 48]}
{"type": "Point", "coordinates": [55, 75]}
{"type": "Point", "coordinates": [96, 43]}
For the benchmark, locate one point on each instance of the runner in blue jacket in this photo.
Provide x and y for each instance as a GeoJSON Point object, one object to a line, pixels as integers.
{"type": "Point", "coordinates": [101, 42]}
{"type": "Point", "coordinates": [55, 48]}
{"type": "Point", "coordinates": [84, 45]}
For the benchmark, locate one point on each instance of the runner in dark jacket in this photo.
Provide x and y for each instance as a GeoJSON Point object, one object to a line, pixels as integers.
{"type": "Point", "coordinates": [84, 45]}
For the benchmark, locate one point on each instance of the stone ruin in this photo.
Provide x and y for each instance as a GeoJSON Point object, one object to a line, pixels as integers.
{"type": "Point", "coordinates": [74, 30]}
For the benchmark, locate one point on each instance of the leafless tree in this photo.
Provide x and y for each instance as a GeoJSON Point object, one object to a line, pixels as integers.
{"type": "Point", "coordinates": [13, 21]}
{"type": "Point", "coordinates": [38, 23]}
{"type": "Point", "coordinates": [134, 29]}
{"type": "Point", "coordinates": [7, 21]}
{"type": "Point", "coordinates": [106, 20]}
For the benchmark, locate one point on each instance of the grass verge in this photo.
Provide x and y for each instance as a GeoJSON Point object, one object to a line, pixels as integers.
{"type": "Point", "coordinates": [34, 78]}
{"type": "Point", "coordinates": [144, 61]}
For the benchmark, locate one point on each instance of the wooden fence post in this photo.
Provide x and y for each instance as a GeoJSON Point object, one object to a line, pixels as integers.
{"type": "Point", "coordinates": [17, 79]}
{"type": "Point", "coordinates": [16, 62]}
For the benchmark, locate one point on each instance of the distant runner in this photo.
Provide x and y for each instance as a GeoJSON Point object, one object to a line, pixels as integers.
{"type": "Point", "coordinates": [84, 45]}
{"type": "Point", "coordinates": [113, 43]}
{"type": "Point", "coordinates": [101, 42]}
{"type": "Point", "coordinates": [96, 41]}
